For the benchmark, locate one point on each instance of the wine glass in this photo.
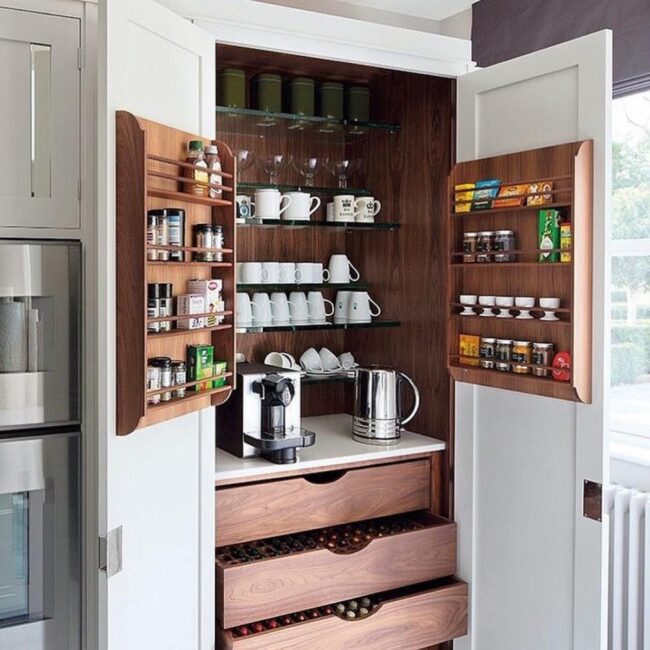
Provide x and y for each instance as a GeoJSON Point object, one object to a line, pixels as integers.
{"type": "Point", "coordinates": [273, 165]}
{"type": "Point", "coordinates": [306, 167]}
{"type": "Point", "coordinates": [245, 159]}
{"type": "Point", "coordinates": [342, 169]}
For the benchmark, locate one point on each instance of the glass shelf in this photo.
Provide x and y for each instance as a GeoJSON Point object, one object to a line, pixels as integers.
{"type": "Point", "coordinates": [327, 326]}
{"type": "Point", "coordinates": [250, 121]}
{"type": "Point", "coordinates": [318, 189]}
{"type": "Point", "coordinates": [342, 286]}
{"type": "Point", "coordinates": [341, 378]}
{"type": "Point", "coordinates": [333, 225]}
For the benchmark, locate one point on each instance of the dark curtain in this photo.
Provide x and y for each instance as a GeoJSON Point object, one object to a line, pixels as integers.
{"type": "Point", "coordinates": [504, 29]}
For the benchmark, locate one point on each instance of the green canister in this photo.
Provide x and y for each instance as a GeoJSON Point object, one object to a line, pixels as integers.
{"type": "Point", "coordinates": [330, 95]}
{"type": "Point", "coordinates": [232, 88]}
{"type": "Point", "coordinates": [267, 92]}
{"type": "Point", "coordinates": [358, 103]}
{"type": "Point", "coordinates": [301, 96]}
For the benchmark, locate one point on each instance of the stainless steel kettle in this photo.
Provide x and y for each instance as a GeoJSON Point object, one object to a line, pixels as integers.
{"type": "Point", "coordinates": [377, 417]}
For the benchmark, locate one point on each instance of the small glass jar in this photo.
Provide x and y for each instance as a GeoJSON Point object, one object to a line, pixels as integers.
{"type": "Point", "coordinates": [504, 350]}
{"type": "Point", "coordinates": [488, 348]}
{"type": "Point", "coordinates": [166, 306]}
{"type": "Point", "coordinates": [164, 365]}
{"type": "Point", "coordinates": [179, 376]}
{"type": "Point", "coordinates": [153, 383]}
{"type": "Point", "coordinates": [162, 234]}
{"type": "Point", "coordinates": [504, 242]}
{"type": "Point", "coordinates": [203, 239]}
{"type": "Point", "coordinates": [152, 234]}
{"type": "Point", "coordinates": [522, 353]}
{"type": "Point", "coordinates": [217, 242]}
{"type": "Point", "coordinates": [485, 246]}
{"type": "Point", "coordinates": [469, 247]}
{"type": "Point", "coordinates": [542, 359]}
{"type": "Point", "coordinates": [153, 306]}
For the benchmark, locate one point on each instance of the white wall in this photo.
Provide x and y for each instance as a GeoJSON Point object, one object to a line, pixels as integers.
{"type": "Point", "coordinates": [458, 25]}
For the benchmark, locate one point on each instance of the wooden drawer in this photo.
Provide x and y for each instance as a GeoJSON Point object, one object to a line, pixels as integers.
{"type": "Point", "coordinates": [256, 589]}
{"type": "Point", "coordinates": [408, 620]}
{"type": "Point", "coordinates": [282, 507]}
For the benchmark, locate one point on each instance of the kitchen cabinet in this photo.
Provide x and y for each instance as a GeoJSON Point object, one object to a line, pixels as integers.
{"type": "Point", "coordinates": [516, 458]}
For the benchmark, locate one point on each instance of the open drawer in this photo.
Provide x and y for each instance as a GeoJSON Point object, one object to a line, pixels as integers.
{"type": "Point", "coordinates": [286, 574]}
{"type": "Point", "coordinates": [408, 619]}
{"type": "Point", "coordinates": [285, 506]}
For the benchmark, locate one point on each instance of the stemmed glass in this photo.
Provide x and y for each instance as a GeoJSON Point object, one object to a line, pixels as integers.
{"type": "Point", "coordinates": [245, 159]}
{"type": "Point", "coordinates": [273, 165]}
{"type": "Point", "coordinates": [306, 167]}
{"type": "Point", "coordinates": [342, 169]}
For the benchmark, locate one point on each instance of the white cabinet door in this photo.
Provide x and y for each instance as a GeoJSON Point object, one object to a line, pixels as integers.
{"type": "Point", "coordinates": [534, 563]}
{"type": "Point", "coordinates": [39, 120]}
{"type": "Point", "coordinates": [158, 483]}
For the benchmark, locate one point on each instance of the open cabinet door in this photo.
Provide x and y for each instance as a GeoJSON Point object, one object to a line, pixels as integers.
{"type": "Point", "coordinates": [157, 484]}
{"type": "Point", "coordinates": [535, 564]}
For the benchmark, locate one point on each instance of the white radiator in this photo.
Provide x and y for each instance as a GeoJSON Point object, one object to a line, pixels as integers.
{"type": "Point", "coordinates": [629, 568]}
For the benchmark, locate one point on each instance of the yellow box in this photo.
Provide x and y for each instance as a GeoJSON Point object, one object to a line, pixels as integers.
{"type": "Point", "coordinates": [469, 346]}
{"type": "Point", "coordinates": [566, 240]}
{"type": "Point", "coordinates": [464, 192]}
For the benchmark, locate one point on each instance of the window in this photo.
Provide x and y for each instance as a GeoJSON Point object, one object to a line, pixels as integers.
{"type": "Point", "coordinates": [630, 260]}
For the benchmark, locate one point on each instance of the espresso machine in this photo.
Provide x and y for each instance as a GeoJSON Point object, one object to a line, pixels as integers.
{"type": "Point", "coordinates": [262, 418]}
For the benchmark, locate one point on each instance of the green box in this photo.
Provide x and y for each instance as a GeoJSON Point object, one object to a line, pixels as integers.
{"type": "Point", "coordinates": [220, 367]}
{"type": "Point", "coordinates": [548, 234]}
{"type": "Point", "coordinates": [200, 365]}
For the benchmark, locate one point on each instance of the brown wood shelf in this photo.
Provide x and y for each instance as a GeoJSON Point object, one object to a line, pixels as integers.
{"type": "Point", "coordinates": [194, 249]}
{"type": "Point", "coordinates": [189, 384]}
{"type": "Point", "coordinates": [206, 314]}
{"type": "Point", "coordinates": [559, 310]}
{"type": "Point", "coordinates": [572, 165]}
{"type": "Point", "coordinates": [145, 150]}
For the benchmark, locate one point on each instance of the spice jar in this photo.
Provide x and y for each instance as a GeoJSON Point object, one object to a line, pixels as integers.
{"type": "Point", "coordinates": [504, 242]}
{"type": "Point", "coordinates": [203, 239]}
{"type": "Point", "coordinates": [542, 359]}
{"type": "Point", "coordinates": [176, 232]}
{"type": "Point", "coordinates": [179, 376]}
{"type": "Point", "coordinates": [217, 242]}
{"type": "Point", "coordinates": [503, 354]}
{"type": "Point", "coordinates": [166, 306]}
{"type": "Point", "coordinates": [522, 354]}
{"type": "Point", "coordinates": [152, 234]}
{"type": "Point", "coordinates": [153, 383]}
{"type": "Point", "coordinates": [469, 246]}
{"type": "Point", "coordinates": [487, 352]}
{"type": "Point", "coordinates": [485, 246]}
{"type": "Point", "coordinates": [164, 365]}
{"type": "Point", "coordinates": [199, 171]}
{"type": "Point", "coordinates": [162, 233]}
{"type": "Point", "coordinates": [153, 306]}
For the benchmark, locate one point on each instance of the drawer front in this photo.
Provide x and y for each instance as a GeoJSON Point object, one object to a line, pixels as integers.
{"type": "Point", "coordinates": [288, 506]}
{"type": "Point", "coordinates": [418, 620]}
{"type": "Point", "coordinates": [274, 586]}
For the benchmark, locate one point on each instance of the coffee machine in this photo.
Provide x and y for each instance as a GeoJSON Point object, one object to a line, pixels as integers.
{"type": "Point", "coordinates": [262, 418]}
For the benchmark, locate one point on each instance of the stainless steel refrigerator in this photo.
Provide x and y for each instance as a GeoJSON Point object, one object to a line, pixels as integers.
{"type": "Point", "coordinates": [40, 425]}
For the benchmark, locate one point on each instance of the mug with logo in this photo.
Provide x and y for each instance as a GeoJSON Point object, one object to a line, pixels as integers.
{"type": "Point", "coordinates": [244, 310]}
{"type": "Point", "coordinates": [360, 308]}
{"type": "Point", "coordinates": [244, 207]}
{"type": "Point", "coordinates": [301, 206]}
{"type": "Point", "coordinates": [341, 270]}
{"type": "Point", "coordinates": [316, 306]}
{"type": "Point", "coordinates": [344, 207]}
{"type": "Point", "coordinates": [367, 208]}
{"type": "Point", "coordinates": [270, 204]}
{"type": "Point", "coordinates": [341, 306]}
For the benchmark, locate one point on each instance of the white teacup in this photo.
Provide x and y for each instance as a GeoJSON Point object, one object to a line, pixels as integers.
{"type": "Point", "coordinates": [318, 273]}
{"type": "Point", "coordinates": [270, 204]}
{"type": "Point", "coordinates": [524, 303]}
{"type": "Point", "coordinates": [287, 273]}
{"type": "Point", "coordinates": [329, 360]}
{"type": "Point", "coordinates": [300, 308]}
{"type": "Point", "coordinates": [549, 305]}
{"type": "Point", "coordinates": [347, 361]}
{"type": "Point", "coordinates": [316, 306]}
{"type": "Point", "coordinates": [264, 315]}
{"type": "Point", "coordinates": [341, 270]}
{"type": "Point", "coordinates": [274, 359]}
{"type": "Point", "coordinates": [360, 308]}
{"type": "Point", "coordinates": [290, 361]}
{"type": "Point", "coordinates": [251, 273]}
{"type": "Point", "coordinates": [344, 207]}
{"type": "Point", "coordinates": [366, 209]}
{"type": "Point", "coordinates": [468, 303]}
{"type": "Point", "coordinates": [487, 302]}
{"type": "Point", "coordinates": [301, 207]}
{"type": "Point", "coordinates": [280, 312]}
{"type": "Point", "coordinates": [270, 272]}
{"type": "Point", "coordinates": [244, 310]}
{"type": "Point", "coordinates": [304, 273]}
{"type": "Point", "coordinates": [310, 360]}
{"type": "Point", "coordinates": [505, 304]}
{"type": "Point", "coordinates": [341, 306]}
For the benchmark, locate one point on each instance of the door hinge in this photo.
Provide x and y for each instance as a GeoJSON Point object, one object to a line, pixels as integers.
{"type": "Point", "coordinates": [110, 552]}
{"type": "Point", "coordinates": [80, 58]}
{"type": "Point", "coordinates": [592, 500]}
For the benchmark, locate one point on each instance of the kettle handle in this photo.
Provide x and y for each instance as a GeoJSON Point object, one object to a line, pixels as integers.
{"type": "Point", "coordinates": [416, 399]}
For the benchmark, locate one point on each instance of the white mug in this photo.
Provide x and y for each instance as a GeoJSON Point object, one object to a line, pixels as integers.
{"type": "Point", "coordinates": [316, 307]}
{"type": "Point", "coordinates": [244, 207]}
{"type": "Point", "coordinates": [340, 269]}
{"type": "Point", "coordinates": [341, 306]}
{"type": "Point", "coordinates": [360, 308]}
{"type": "Point", "coordinates": [300, 314]}
{"type": "Point", "coordinates": [263, 316]}
{"type": "Point", "coordinates": [367, 208]}
{"type": "Point", "coordinates": [251, 273]}
{"type": "Point", "coordinates": [287, 273]}
{"type": "Point", "coordinates": [271, 272]}
{"type": "Point", "coordinates": [280, 312]}
{"type": "Point", "coordinates": [301, 207]}
{"type": "Point", "coordinates": [268, 203]}
{"type": "Point", "coordinates": [244, 310]}
{"type": "Point", "coordinates": [344, 207]}
{"type": "Point", "coordinates": [329, 213]}
{"type": "Point", "coordinates": [318, 273]}
{"type": "Point", "coordinates": [304, 273]}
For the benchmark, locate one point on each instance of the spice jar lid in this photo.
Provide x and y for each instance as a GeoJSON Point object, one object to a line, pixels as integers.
{"type": "Point", "coordinates": [486, 233]}
{"type": "Point", "coordinates": [505, 232]}
{"type": "Point", "coordinates": [156, 213]}
{"type": "Point", "coordinates": [504, 341]}
{"type": "Point", "coordinates": [165, 289]}
{"type": "Point", "coordinates": [178, 364]}
{"type": "Point", "coordinates": [522, 343]}
{"type": "Point", "coordinates": [174, 212]}
{"type": "Point", "coordinates": [546, 346]}
{"type": "Point", "coordinates": [488, 340]}
{"type": "Point", "coordinates": [153, 291]}
{"type": "Point", "coordinates": [160, 362]}
{"type": "Point", "coordinates": [470, 234]}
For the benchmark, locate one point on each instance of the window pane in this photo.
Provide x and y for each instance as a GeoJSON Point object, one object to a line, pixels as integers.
{"type": "Point", "coordinates": [631, 166]}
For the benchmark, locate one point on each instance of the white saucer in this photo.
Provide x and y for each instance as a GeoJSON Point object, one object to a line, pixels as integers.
{"type": "Point", "coordinates": [323, 373]}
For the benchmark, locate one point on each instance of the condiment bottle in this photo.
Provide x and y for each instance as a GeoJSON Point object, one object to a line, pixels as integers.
{"type": "Point", "coordinates": [153, 306]}
{"type": "Point", "coordinates": [214, 165]}
{"type": "Point", "coordinates": [196, 157]}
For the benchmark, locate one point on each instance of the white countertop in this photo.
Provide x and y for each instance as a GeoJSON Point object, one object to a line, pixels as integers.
{"type": "Point", "coordinates": [334, 446]}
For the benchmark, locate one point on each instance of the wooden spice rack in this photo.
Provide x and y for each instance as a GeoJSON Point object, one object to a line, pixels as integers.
{"type": "Point", "coordinates": [570, 168]}
{"type": "Point", "coordinates": [150, 165]}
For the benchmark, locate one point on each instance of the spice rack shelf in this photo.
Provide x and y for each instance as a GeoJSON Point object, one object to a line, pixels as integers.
{"type": "Point", "coordinates": [569, 168]}
{"type": "Point", "coordinates": [150, 175]}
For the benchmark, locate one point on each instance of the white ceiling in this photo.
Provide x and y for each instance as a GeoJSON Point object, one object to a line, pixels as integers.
{"type": "Point", "coordinates": [429, 9]}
